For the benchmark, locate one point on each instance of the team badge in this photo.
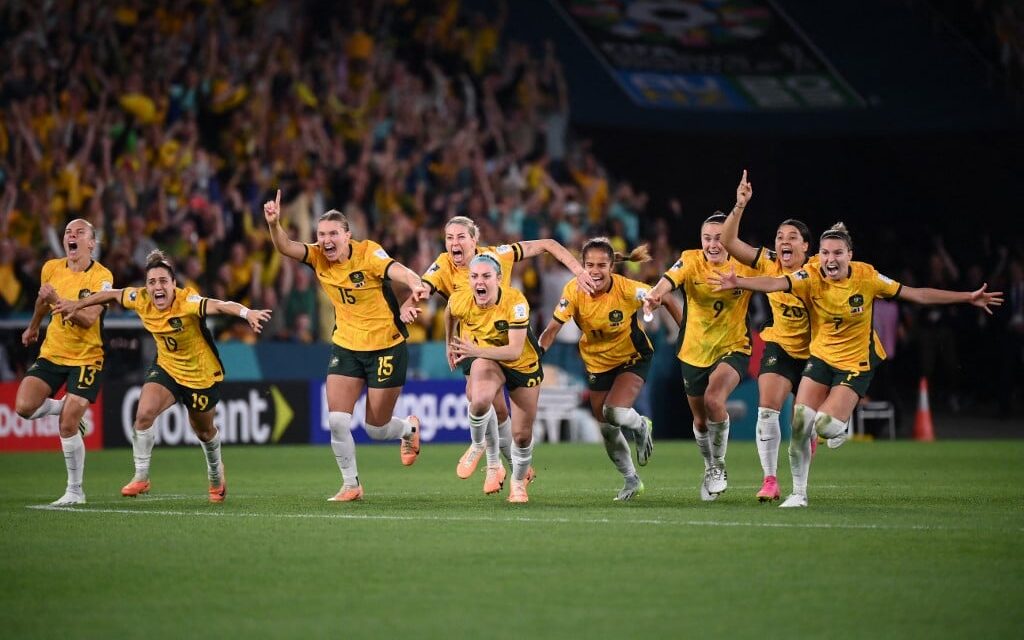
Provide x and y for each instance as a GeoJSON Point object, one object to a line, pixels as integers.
{"type": "Point", "coordinates": [176, 324]}
{"type": "Point", "coordinates": [856, 303]}
{"type": "Point", "coordinates": [84, 293]}
{"type": "Point", "coordinates": [592, 377]}
{"type": "Point", "coordinates": [801, 274]}
{"type": "Point", "coordinates": [501, 325]}
{"type": "Point", "coordinates": [771, 361]}
{"type": "Point", "coordinates": [334, 362]}
{"type": "Point", "coordinates": [615, 317]}
{"type": "Point", "coordinates": [358, 279]}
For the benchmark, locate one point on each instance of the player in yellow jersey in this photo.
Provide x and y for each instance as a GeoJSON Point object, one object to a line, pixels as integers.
{"type": "Point", "coordinates": [714, 347]}
{"type": "Point", "coordinates": [187, 368]}
{"type": "Point", "coordinates": [72, 352]}
{"type": "Point", "coordinates": [369, 347]}
{"type": "Point", "coordinates": [498, 346]}
{"type": "Point", "coordinates": [450, 272]}
{"type": "Point", "coordinates": [787, 336]}
{"type": "Point", "coordinates": [839, 295]}
{"type": "Point", "coordinates": [616, 353]}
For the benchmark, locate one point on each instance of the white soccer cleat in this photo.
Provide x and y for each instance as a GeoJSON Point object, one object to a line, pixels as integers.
{"type": "Point", "coordinates": [633, 487]}
{"type": "Point", "coordinates": [69, 498]}
{"type": "Point", "coordinates": [836, 442]}
{"type": "Point", "coordinates": [718, 480]}
{"type": "Point", "coordinates": [795, 500]}
{"type": "Point", "coordinates": [644, 441]}
{"type": "Point", "coordinates": [706, 495]}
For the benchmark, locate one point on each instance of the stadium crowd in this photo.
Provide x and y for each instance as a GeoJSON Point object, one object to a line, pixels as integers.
{"type": "Point", "coordinates": [168, 124]}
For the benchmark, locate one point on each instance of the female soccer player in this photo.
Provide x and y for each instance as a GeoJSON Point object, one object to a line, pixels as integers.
{"type": "Point", "coordinates": [715, 347]}
{"type": "Point", "coordinates": [71, 353]}
{"type": "Point", "coordinates": [450, 272]}
{"type": "Point", "coordinates": [499, 317]}
{"type": "Point", "coordinates": [187, 367]}
{"type": "Point", "coordinates": [787, 337]}
{"type": "Point", "coordinates": [616, 353]}
{"type": "Point", "coordinates": [369, 347]}
{"type": "Point", "coordinates": [839, 294]}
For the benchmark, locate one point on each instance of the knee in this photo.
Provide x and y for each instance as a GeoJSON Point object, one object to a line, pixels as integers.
{"type": "Point", "coordinates": [802, 415]}
{"type": "Point", "coordinates": [144, 420]}
{"type": "Point", "coordinates": [478, 408]}
{"type": "Point", "coordinates": [609, 414]}
{"type": "Point", "coordinates": [609, 432]}
{"type": "Point", "coordinates": [23, 409]}
{"type": "Point", "coordinates": [714, 404]}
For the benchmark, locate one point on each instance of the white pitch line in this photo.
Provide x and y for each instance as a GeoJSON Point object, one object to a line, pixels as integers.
{"type": "Point", "coordinates": [529, 519]}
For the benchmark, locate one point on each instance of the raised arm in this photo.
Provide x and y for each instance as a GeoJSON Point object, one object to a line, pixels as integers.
{"type": "Point", "coordinates": [72, 309]}
{"type": "Point", "coordinates": [398, 271]}
{"type": "Point", "coordinates": [981, 298]}
{"type": "Point", "coordinates": [731, 228]}
{"type": "Point", "coordinates": [285, 245]}
{"type": "Point", "coordinates": [463, 349]}
{"type": "Point", "coordinates": [533, 248]}
{"type": "Point", "coordinates": [255, 317]}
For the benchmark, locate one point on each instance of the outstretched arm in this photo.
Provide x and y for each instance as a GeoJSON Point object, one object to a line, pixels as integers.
{"type": "Point", "coordinates": [398, 271]}
{"type": "Point", "coordinates": [533, 248]}
{"type": "Point", "coordinates": [765, 284]}
{"type": "Point", "coordinates": [463, 349]}
{"type": "Point", "coordinates": [731, 228]}
{"type": "Point", "coordinates": [285, 245]}
{"type": "Point", "coordinates": [255, 317]}
{"type": "Point", "coordinates": [981, 298]}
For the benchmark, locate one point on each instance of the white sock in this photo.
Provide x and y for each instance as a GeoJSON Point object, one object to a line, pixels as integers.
{"type": "Point", "coordinates": [828, 427]}
{"type": "Point", "coordinates": [769, 436]}
{"type": "Point", "coordinates": [618, 449]}
{"type": "Point", "coordinates": [344, 446]}
{"type": "Point", "coordinates": [704, 444]}
{"type": "Point", "coordinates": [719, 437]}
{"type": "Point", "coordinates": [505, 438]}
{"type": "Point", "coordinates": [212, 451]}
{"type": "Point", "coordinates": [522, 457]}
{"type": "Point", "coordinates": [624, 417]}
{"type": "Point", "coordinates": [50, 407]}
{"type": "Point", "coordinates": [74, 460]}
{"type": "Point", "coordinates": [142, 450]}
{"type": "Point", "coordinates": [395, 428]}
{"type": "Point", "coordinates": [800, 447]}
{"type": "Point", "coordinates": [478, 426]}
{"type": "Point", "coordinates": [491, 440]}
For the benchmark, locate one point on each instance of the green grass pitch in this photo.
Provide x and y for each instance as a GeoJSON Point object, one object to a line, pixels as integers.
{"type": "Point", "coordinates": [901, 540]}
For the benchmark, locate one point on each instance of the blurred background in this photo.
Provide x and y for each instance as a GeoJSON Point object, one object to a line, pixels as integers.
{"type": "Point", "coordinates": [168, 124]}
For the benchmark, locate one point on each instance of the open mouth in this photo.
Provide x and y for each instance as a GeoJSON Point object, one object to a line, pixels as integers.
{"type": "Point", "coordinates": [72, 245]}
{"type": "Point", "coordinates": [457, 255]}
{"type": "Point", "coordinates": [481, 292]}
{"type": "Point", "coordinates": [330, 249]}
{"type": "Point", "coordinates": [832, 269]}
{"type": "Point", "coordinates": [786, 253]}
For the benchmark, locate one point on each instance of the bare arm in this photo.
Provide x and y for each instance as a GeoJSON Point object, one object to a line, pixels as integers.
{"type": "Point", "coordinates": [655, 296]}
{"type": "Point", "coordinates": [981, 298]}
{"type": "Point", "coordinates": [731, 228]}
{"type": "Point", "coordinates": [547, 338]}
{"type": "Point", "coordinates": [398, 271]}
{"type": "Point", "coordinates": [255, 317]}
{"type": "Point", "coordinates": [69, 308]}
{"type": "Point", "coordinates": [463, 349]}
{"type": "Point", "coordinates": [285, 245]}
{"type": "Point", "coordinates": [449, 331]}
{"type": "Point", "coordinates": [765, 284]}
{"type": "Point", "coordinates": [533, 248]}
{"type": "Point", "coordinates": [31, 333]}
{"type": "Point", "coordinates": [674, 308]}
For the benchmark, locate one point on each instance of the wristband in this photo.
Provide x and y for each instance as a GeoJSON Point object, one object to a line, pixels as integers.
{"type": "Point", "coordinates": [243, 313]}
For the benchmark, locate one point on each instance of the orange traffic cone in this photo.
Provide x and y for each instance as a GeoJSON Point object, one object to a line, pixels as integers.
{"type": "Point", "coordinates": [923, 429]}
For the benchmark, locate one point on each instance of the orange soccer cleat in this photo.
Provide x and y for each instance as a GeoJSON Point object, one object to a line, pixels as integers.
{"type": "Point", "coordinates": [517, 492]}
{"type": "Point", "coordinates": [495, 479]}
{"type": "Point", "coordinates": [220, 491]}
{"type": "Point", "coordinates": [410, 447]}
{"type": "Point", "coordinates": [469, 460]}
{"type": "Point", "coordinates": [348, 494]}
{"type": "Point", "coordinates": [134, 488]}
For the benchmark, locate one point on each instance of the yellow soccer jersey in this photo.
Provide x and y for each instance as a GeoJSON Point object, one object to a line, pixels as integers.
{"type": "Point", "coordinates": [366, 316]}
{"type": "Point", "coordinates": [789, 326]}
{"type": "Point", "coordinates": [184, 346]}
{"type": "Point", "coordinates": [445, 278]}
{"type": "Point", "coordinates": [841, 332]}
{"type": "Point", "coordinates": [490, 326]}
{"type": "Point", "coordinates": [68, 344]}
{"type": "Point", "coordinates": [612, 335]}
{"type": "Point", "coordinates": [716, 321]}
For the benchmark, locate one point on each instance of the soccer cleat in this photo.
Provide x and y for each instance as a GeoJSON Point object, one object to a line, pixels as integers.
{"type": "Point", "coordinates": [769, 490]}
{"type": "Point", "coordinates": [706, 495]}
{"type": "Point", "coordinates": [644, 441]}
{"type": "Point", "coordinates": [348, 494]}
{"type": "Point", "coordinates": [134, 488]}
{"type": "Point", "coordinates": [836, 442]}
{"type": "Point", "coordinates": [69, 498]}
{"type": "Point", "coordinates": [633, 487]}
{"type": "Point", "coordinates": [469, 460]}
{"type": "Point", "coordinates": [220, 491]}
{"type": "Point", "coordinates": [795, 500]}
{"type": "Point", "coordinates": [410, 447]}
{"type": "Point", "coordinates": [495, 479]}
{"type": "Point", "coordinates": [517, 492]}
{"type": "Point", "coordinates": [719, 480]}
{"type": "Point", "coordinates": [530, 475]}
